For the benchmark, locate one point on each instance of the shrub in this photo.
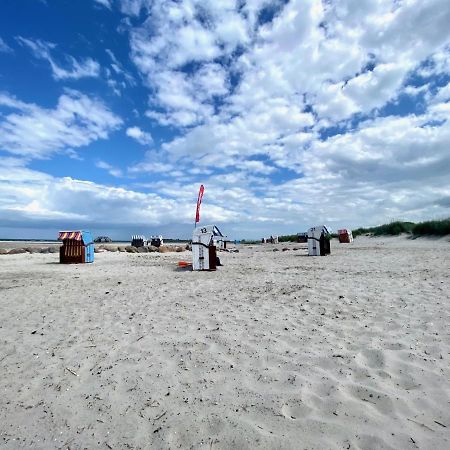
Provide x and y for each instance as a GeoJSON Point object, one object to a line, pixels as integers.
{"type": "Point", "coordinates": [391, 229]}
{"type": "Point", "coordinates": [428, 228]}
{"type": "Point", "coordinates": [432, 227]}
{"type": "Point", "coordinates": [394, 228]}
{"type": "Point", "coordinates": [288, 238]}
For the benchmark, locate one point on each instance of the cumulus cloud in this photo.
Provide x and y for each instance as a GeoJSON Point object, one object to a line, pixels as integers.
{"type": "Point", "coordinates": [291, 113]}
{"type": "Point", "coordinates": [303, 91]}
{"type": "Point", "coordinates": [76, 121]}
{"type": "Point", "coordinates": [142, 137]}
{"type": "Point", "coordinates": [178, 34]}
{"type": "Point", "coordinates": [73, 69]}
{"type": "Point", "coordinates": [345, 58]}
{"type": "Point", "coordinates": [437, 64]}
{"type": "Point", "coordinates": [133, 7]}
{"type": "Point", "coordinates": [442, 94]}
{"type": "Point", "coordinates": [39, 200]}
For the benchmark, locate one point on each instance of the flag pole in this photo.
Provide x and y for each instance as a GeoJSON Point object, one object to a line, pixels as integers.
{"type": "Point", "coordinates": [195, 220]}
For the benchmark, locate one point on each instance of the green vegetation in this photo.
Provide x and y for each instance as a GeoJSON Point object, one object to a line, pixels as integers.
{"type": "Point", "coordinates": [428, 228]}
{"type": "Point", "coordinates": [432, 227]}
{"type": "Point", "coordinates": [294, 237]}
{"type": "Point", "coordinates": [249, 241]}
{"type": "Point", "coordinates": [392, 229]}
{"type": "Point", "coordinates": [288, 238]}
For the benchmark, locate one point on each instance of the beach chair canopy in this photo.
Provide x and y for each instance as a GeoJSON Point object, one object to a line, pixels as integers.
{"type": "Point", "coordinates": [322, 228]}
{"type": "Point", "coordinates": [84, 236]}
{"type": "Point", "coordinates": [75, 235]}
{"type": "Point", "coordinates": [211, 230]}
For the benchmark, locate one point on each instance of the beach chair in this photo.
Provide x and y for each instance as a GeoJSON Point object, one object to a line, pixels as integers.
{"type": "Point", "coordinates": [138, 241]}
{"type": "Point", "coordinates": [319, 241]}
{"type": "Point", "coordinates": [204, 251]}
{"type": "Point", "coordinates": [156, 241]}
{"type": "Point", "coordinates": [345, 236]}
{"type": "Point", "coordinates": [77, 248]}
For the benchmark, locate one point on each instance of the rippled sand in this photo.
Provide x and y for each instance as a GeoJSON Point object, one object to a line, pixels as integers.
{"type": "Point", "coordinates": [274, 350]}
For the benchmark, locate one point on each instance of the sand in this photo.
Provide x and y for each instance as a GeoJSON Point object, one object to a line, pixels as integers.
{"type": "Point", "coordinates": [274, 350]}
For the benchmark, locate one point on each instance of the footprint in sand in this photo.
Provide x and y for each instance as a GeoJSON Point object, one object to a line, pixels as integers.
{"type": "Point", "coordinates": [377, 399]}
{"type": "Point", "coordinates": [374, 358]}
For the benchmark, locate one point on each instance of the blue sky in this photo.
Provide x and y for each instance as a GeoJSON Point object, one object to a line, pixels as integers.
{"type": "Point", "coordinates": [291, 113]}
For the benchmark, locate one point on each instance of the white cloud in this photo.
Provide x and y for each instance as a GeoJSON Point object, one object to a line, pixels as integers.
{"type": "Point", "coordinates": [142, 137]}
{"type": "Point", "coordinates": [280, 119]}
{"type": "Point", "coordinates": [255, 167]}
{"type": "Point", "coordinates": [113, 171]}
{"type": "Point", "coordinates": [361, 94]}
{"type": "Point", "coordinates": [209, 81]}
{"type": "Point", "coordinates": [152, 167]}
{"type": "Point", "coordinates": [188, 99]}
{"type": "Point", "coordinates": [36, 132]}
{"type": "Point", "coordinates": [315, 66]}
{"type": "Point", "coordinates": [114, 60]}
{"type": "Point", "coordinates": [347, 57]}
{"type": "Point", "coordinates": [175, 34]}
{"type": "Point", "coordinates": [133, 7]}
{"type": "Point", "coordinates": [182, 118]}
{"type": "Point", "coordinates": [114, 85]}
{"type": "Point", "coordinates": [37, 199]}
{"type": "Point", "coordinates": [414, 91]}
{"type": "Point", "coordinates": [4, 47]}
{"type": "Point", "coordinates": [105, 3]}
{"type": "Point", "coordinates": [117, 78]}
{"type": "Point", "coordinates": [387, 168]}
{"type": "Point", "coordinates": [219, 143]}
{"type": "Point", "coordinates": [443, 94]}
{"type": "Point", "coordinates": [74, 69]}
{"type": "Point", "coordinates": [343, 59]}
{"type": "Point", "coordinates": [436, 64]}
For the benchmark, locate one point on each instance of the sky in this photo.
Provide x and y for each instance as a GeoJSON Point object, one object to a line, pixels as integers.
{"type": "Point", "coordinates": [292, 113]}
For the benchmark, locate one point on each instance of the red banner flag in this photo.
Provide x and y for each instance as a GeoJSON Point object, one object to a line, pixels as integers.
{"type": "Point", "coordinates": [199, 202]}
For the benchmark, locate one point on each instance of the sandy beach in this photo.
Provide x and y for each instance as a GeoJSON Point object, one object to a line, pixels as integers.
{"type": "Point", "coordinates": [275, 350]}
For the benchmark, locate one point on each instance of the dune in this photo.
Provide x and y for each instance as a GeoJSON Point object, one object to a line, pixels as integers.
{"type": "Point", "coordinates": [274, 350]}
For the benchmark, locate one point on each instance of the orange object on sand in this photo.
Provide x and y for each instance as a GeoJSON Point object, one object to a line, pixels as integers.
{"type": "Point", "coordinates": [184, 264]}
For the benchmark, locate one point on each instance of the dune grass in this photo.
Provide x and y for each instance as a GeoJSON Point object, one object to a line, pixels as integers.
{"type": "Point", "coordinates": [388, 229]}
{"type": "Point", "coordinates": [432, 228]}
{"type": "Point", "coordinates": [427, 228]}
{"type": "Point", "coordinates": [288, 238]}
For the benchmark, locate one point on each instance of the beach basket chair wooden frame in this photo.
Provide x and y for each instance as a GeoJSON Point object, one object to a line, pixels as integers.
{"type": "Point", "coordinates": [204, 250]}
{"type": "Point", "coordinates": [77, 248]}
{"type": "Point", "coordinates": [345, 236]}
{"type": "Point", "coordinates": [319, 241]}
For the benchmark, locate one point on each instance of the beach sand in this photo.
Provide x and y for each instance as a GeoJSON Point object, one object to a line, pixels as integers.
{"type": "Point", "coordinates": [274, 350]}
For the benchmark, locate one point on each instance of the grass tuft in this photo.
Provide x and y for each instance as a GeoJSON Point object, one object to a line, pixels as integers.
{"type": "Point", "coordinates": [428, 228]}
{"type": "Point", "coordinates": [432, 228]}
